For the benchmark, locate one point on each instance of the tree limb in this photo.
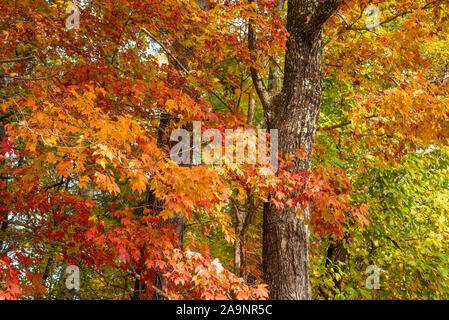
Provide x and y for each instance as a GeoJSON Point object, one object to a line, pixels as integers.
{"type": "Point", "coordinates": [9, 60]}
{"type": "Point", "coordinates": [261, 90]}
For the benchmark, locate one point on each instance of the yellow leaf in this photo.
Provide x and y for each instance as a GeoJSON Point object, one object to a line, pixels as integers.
{"type": "Point", "coordinates": [102, 162]}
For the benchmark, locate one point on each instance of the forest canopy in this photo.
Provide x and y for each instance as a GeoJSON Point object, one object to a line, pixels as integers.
{"type": "Point", "coordinates": [224, 149]}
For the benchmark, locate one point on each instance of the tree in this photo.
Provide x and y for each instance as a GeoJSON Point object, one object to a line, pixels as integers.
{"type": "Point", "coordinates": [87, 179]}
{"type": "Point", "coordinates": [294, 112]}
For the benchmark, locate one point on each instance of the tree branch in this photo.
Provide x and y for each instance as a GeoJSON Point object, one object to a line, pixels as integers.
{"type": "Point", "coordinates": [262, 91]}
{"type": "Point", "coordinates": [308, 17]}
{"type": "Point", "coordinates": [32, 79]}
{"type": "Point", "coordinates": [16, 59]}
{"type": "Point", "coordinates": [179, 63]}
{"type": "Point", "coordinates": [399, 15]}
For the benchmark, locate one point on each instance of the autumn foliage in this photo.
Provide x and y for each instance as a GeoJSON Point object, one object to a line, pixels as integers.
{"type": "Point", "coordinates": [86, 177]}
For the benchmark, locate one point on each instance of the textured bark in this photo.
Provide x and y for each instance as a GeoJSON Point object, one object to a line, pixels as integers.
{"type": "Point", "coordinates": [294, 112]}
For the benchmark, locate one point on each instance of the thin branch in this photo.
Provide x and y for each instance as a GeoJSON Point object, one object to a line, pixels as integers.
{"type": "Point", "coordinates": [400, 14]}
{"type": "Point", "coordinates": [159, 291]}
{"type": "Point", "coordinates": [181, 65]}
{"type": "Point", "coordinates": [221, 100]}
{"type": "Point", "coordinates": [394, 242]}
{"type": "Point", "coordinates": [32, 79]}
{"type": "Point", "coordinates": [10, 60]}
{"type": "Point", "coordinates": [344, 124]}
{"type": "Point", "coordinates": [261, 90]}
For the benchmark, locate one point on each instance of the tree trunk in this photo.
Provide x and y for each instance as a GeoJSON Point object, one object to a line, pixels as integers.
{"type": "Point", "coordinates": [244, 215]}
{"type": "Point", "coordinates": [179, 221]}
{"type": "Point", "coordinates": [294, 112]}
{"type": "Point", "coordinates": [3, 209]}
{"type": "Point", "coordinates": [286, 238]}
{"type": "Point", "coordinates": [239, 242]}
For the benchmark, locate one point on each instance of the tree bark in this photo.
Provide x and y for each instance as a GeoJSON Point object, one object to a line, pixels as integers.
{"type": "Point", "coordinates": [240, 237]}
{"type": "Point", "coordinates": [294, 112]}
{"type": "Point", "coordinates": [3, 209]}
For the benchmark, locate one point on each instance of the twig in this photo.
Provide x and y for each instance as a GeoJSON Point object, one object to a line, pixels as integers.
{"type": "Point", "coordinates": [32, 79]}
{"type": "Point", "coordinates": [159, 291]}
{"type": "Point", "coordinates": [166, 51]}
{"type": "Point", "coordinates": [16, 59]}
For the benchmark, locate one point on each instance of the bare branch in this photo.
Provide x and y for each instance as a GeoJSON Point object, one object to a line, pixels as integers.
{"type": "Point", "coordinates": [10, 60]}
{"type": "Point", "coordinates": [261, 90]}
{"type": "Point", "coordinates": [429, 5]}
{"type": "Point", "coordinates": [32, 79]}
{"type": "Point", "coordinates": [159, 291]}
{"type": "Point", "coordinates": [179, 63]}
